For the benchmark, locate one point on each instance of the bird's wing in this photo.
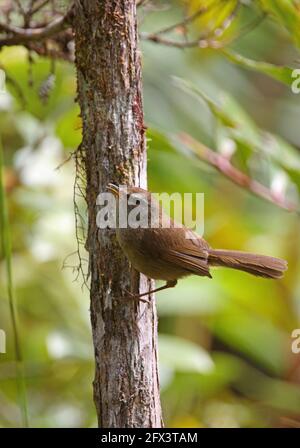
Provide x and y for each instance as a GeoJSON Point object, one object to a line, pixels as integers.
{"type": "Point", "coordinates": [191, 254]}
{"type": "Point", "coordinates": [179, 247]}
{"type": "Point", "coordinates": [191, 263]}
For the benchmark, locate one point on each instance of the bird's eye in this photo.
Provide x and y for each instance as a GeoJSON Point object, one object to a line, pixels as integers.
{"type": "Point", "coordinates": [135, 199]}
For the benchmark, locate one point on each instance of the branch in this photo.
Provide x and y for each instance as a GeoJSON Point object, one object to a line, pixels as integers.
{"type": "Point", "coordinates": [185, 21]}
{"type": "Point", "coordinates": [200, 42]}
{"type": "Point", "coordinates": [39, 6]}
{"type": "Point", "coordinates": [157, 38]}
{"type": "Point", "coordinates": [203, 41]}
{"type": "Point", "coordinates": [25, 35]}
{"type": "Point", "coordinates": [224, 166]}
{"type": "Point", "coordinates": [20, 7]}
{"type": "Point", "coordinates": [53, 53]}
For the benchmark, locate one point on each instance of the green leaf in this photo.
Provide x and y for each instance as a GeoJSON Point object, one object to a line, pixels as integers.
{"type": "Point", "coordinates": [183, 355]}
{"type": "Point", "coordinates": [280, 73]}
{"type": "Point", "coordinates": [249, 138]}
{"type": "Point", "coordinates": [159, 140]}
{"type": "Point", "coordinates": [215, 108]}
{"type": "Point", "coordinates": [287, 13]}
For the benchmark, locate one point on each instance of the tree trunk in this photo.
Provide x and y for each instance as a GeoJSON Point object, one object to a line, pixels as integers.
{"type": "Point", "coordinates": [126, 386]}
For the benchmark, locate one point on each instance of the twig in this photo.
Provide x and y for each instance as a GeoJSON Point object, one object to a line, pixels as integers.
{"type": "Point", "coordinates": [250, 26]}
{"type": "Point", "coordinates": [185, 21]}
{"type": "Point", "coordinates": [54, 53]}
{"type": "Point", "coordinates": [204, 41]}
{"type": "Point", "coordinates": [24, 35]}
{"type": "Point", "coordinates": [38, 7]}
{"type": "Point", "coordinates": [20, 7]}
{"type": "Point", "coordinates": [245, 30]}
{"type": "Point", "coordinates": [224, 166]}
{"type": "Point", "coordinates": [173, 43]}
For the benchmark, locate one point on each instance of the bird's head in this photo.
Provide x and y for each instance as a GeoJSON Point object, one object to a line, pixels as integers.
{"type": "Point", "coordinates": [133, 195]}
{"type": "Point", "coordinates": [138, 199]}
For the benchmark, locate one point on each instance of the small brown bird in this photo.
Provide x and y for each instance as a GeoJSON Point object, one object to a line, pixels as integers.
{"type": "Point", "coordinates": [170, 253]}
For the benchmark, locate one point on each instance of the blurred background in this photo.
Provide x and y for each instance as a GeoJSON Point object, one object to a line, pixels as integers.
{"type": "Point", "coordinates": [225, 344]}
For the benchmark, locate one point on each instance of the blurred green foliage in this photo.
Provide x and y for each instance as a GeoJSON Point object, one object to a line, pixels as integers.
{"type": "Point", "coordinates": [225, 344]}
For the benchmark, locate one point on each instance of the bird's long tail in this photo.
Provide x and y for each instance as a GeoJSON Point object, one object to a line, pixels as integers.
{"type": "Point", "coordinates": [259, 265]}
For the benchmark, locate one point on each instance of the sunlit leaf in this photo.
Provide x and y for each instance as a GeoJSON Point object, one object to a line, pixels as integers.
{"type": "Point", "coordinates": [287, 13]}
{"type": "Point", "coordinates": [282, 74]}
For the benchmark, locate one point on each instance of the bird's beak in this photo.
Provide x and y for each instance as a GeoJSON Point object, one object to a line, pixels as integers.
{"type": "Point", "coordinates": [114, 189]}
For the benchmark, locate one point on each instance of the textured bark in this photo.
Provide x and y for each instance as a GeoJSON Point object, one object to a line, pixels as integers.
{"type": "Point", "coordinates": [126, 387]}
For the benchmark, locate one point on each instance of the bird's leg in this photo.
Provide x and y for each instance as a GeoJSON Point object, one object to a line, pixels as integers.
{"type": "Point", "coordinates": [169, 284]}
